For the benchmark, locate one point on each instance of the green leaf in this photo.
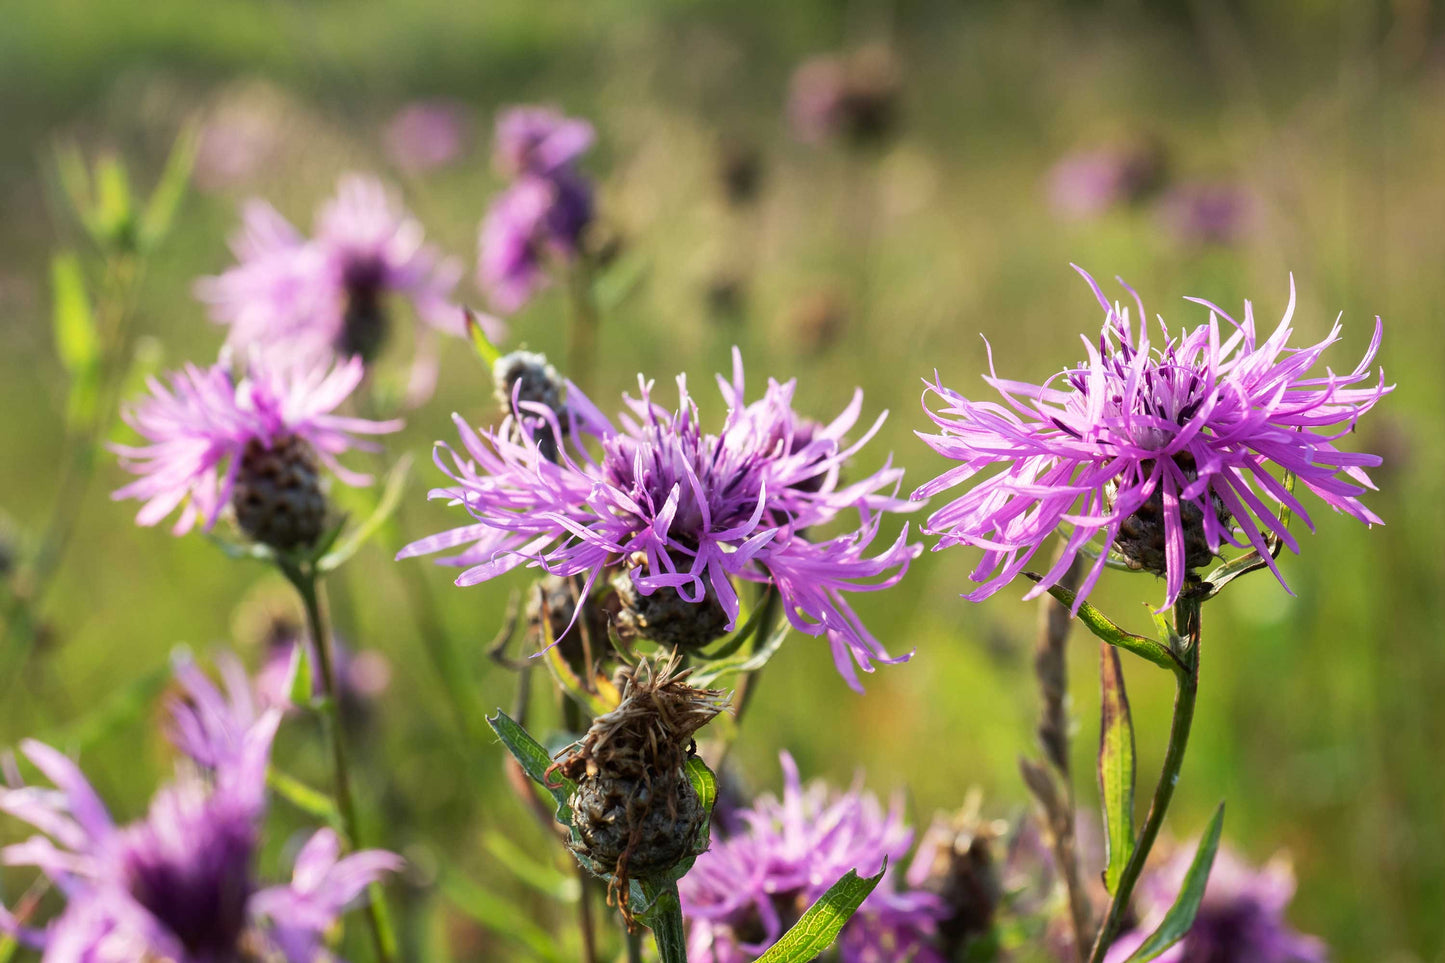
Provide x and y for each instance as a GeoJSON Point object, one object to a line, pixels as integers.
{"type": "Point", "coordinates": [160, 211]}
{"type": "Point", "coordinates": [1103, 628]}
{"type": "Point", "coordinates": [312, 802]}
{"type": "Point", "coordinates": [76, 339]}
{"type": "Point", "coordinates": [763, 651]}
{"type": "Point", "coordinates": [487, 351]}
{"type": "Point", "coordinates": [1116, 766]}
{"type": "Point", "coordinates": [816, 930]}
{"type": "Point", "coordinates": [535, 761]}
{"type": "Point", "coordinates": [1180, 917]}
{"type": "Point", "coordinates": [390, 497]}
{"type": "Point", "coordinates": [545, 879]}
{"type": "Point", "coordinates": [113, 218]}
{"type": "Point", "coordinates": [300, 677]}
{"type": "Point", "coordinates": [619, 281]}
{"type": "Point", "coordinates": [704, 783]}
{"type": "Point", "coordinates": [501, 916]}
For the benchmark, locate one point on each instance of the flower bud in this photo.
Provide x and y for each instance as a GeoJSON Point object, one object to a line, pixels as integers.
{"type": "Point", "coordinates": [635, 812]}
{"type": "Point", "coordinates": [365, 324]}
{"type": "Point", "coordinates": [956, 863]}
{"type": "Point", "coordinates": [277, 497]}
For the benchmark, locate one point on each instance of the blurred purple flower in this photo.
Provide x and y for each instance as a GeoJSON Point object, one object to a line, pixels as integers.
{"type": "Point", "coordinates": [538, 141]}
{"type": "Point", "coordinates": [844, 95]}
{"type": "Point", "coordinates": [361, 676]}
{"type": "Point", "coordinates": [1241, 918]}
{"type": "Point", "coordinates": [1208, 213]}
{"type": "Point", "coordinates": [234, 145]}
{"type": "Point", "coordinates": [313, 299]}
{"type": "Point", "coordinates": [1164, 452]}
{"type": "Point", "coordinates": [199, 427]}
{"type": "Point", "coordinates": [180, 884]}
{"type": "Point", "coordinates": [743, 893]}
{"type": "Point", "coordinates": [426, 135]}
{"type": "Point", "coordinates": [533, 222]}
{"type": "Point", "coordinates": [688, 510]}
{"type": "Point", "coordinates": [1088, 183]}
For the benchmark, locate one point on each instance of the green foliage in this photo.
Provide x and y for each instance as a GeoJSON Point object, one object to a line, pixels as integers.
{"type": "Point", "coordinates": [1180, 918]}
{"type": "Point", "coordinates": [816, 930]}
{"type": "Point", "coordinates": [1116, 766]}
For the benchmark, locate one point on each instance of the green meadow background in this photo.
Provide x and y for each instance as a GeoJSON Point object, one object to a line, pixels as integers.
{"type": "Point", "coordinates": [1321, 718]}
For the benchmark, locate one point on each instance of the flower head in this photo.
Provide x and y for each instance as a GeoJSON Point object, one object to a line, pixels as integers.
{"type": "Point", "coordinates": [532, 223]}
{"type": "Point", "coordinates": [743, 893]}
{"type": "Point", "coordinates": [1241, 917]}
{"type": "Point", "coordinates": [426, 135]}
{"type": "Point", "coordinates": [854, 96]}
{"type": "Point", "coordinates": [686, 509]}
{"type": "Point", "coordinates": [1204, 213]}
{"type": "Point", "coordinates": [213, 439]}
{"type": "Point", "coordinates": [538, 140]}
{"type": "Point", "coordinates": [179, 884]}
{"type": "Point", "coordinates": [1088, 183]}
{"type": "Point", "coordinates": [328, 296]}
{"type": "Point", "coordinates": [1165, 453]}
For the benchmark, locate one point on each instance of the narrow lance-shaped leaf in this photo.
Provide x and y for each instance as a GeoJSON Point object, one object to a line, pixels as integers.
{"type": "Point", "coordinates": [534, 759]}
{"type": "Point", "coordinates": [300, 682]}
{"type": "Point", "coordinates": [1176, 923]}
{"type": "Point", "coordinates": [816, 930]}
{"type": "Point", "coordinates": [1116, 766]}
{"type": "Point", "coordinates": [160, 210]}
{"type": "Point", "coordinates": [390, 498]}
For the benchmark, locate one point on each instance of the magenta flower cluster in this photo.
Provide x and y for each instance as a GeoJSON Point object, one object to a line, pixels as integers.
{"type": "Point", "coordinates": [313, 299]}
{"type": "Point", "coordinates": [751, 885]}
{"type": "Point", "coordinates": [180, 883]}
{"type": "Point", "coordinates": [541, 216]}
{"type": "Point", "coordinates": [685, 508]}
{"type": "Point", "coordinates": [197, 427]}
{"type": "Point", "coordinates": [1192, 432]}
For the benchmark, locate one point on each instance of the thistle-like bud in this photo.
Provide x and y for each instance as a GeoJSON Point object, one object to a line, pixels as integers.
{"type": "Point", "coordinates": [635, 812]}
{"type": "Point", "coordinates": [529, 378]}
{"type": "Point", "coordinates": [956, 862]}
{"type": "Point", "coordinates": [1142, 538]}
{"type": "Point", "coordinates": [665, 617]}
{"type": "Point", "coordinates": [277, 497]}
{"type": "Point", "coordinates": [555, 599]}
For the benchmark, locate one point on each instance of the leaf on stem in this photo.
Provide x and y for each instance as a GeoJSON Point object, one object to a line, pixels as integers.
{"type": "Point", "coordinates": [1107, 631]}
{"type": "Point", "coordinates": [312, 802]}
{"type": "Point", "coordinates": [1176, 923]}
{"type": "Point", "coordinates": [1116, 766]}
{"type": "Point", "coordinates": [535, 761]}
{"type": "Point", "coordinates": [160, 211]}
{"type": "Point", "coordinates": [300, 677]}
{"type": "Point", "coordinates": [816, 930]}
{"type": "Point", "coordinates": [77, 339]}
{"type": "Point", "coordinates": [488, 352]}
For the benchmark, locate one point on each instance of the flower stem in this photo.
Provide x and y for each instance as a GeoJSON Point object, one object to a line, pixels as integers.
{"type": "Point", "coordinates": [665, 921]}
{"type": "Point", "coordinates": [1186, 625]}
{"type": "Point", "coordinates": [306, 585]}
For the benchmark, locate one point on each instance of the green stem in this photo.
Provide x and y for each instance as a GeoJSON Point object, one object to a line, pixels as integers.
{"type": "Point", "coordinates": [305, 583]}
{"type": "Point", "coordinates": [1186, 625]}
{"type": "Point", "coordinates": [665, 921]}
{"type": "Point", "coordinates": [634, 947]}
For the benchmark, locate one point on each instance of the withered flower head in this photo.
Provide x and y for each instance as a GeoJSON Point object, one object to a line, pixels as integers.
{"type": "Point", "coordinates": [635, 813]}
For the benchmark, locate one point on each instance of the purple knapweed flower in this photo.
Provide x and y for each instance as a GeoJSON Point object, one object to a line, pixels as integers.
{"type": "Point", "coordinates": [852, 96]}
{"type": "Point", "coordinates": [1208, 213]}
{"type": "Point", "coordinates": [685, 509]}
{"type": "Point", "coordinates": [1088, 183]}
{"type": "Point", "coordinates": [538, 140]}
{"type": "Point", "coordinates": [310, 299]}
{"type": "Point", "coordinates": [180, 884]}
{"type": "Point", "coordinates": [532, 224]}
{"type": "Point", "coordinates": [541, 217]}
{"type": "Point", "coordinates": [1241, 917]}
{"type": "Point", "coordinates": [1165, 453]}
{"type": "Point", "coordinates": [750, 886]}
{"type": "Point", "coordinates": [361, 676]}
{"type": "Point", "coordinates": [203, 428]}
{"type": "Point", "coordinates": [426, 135]}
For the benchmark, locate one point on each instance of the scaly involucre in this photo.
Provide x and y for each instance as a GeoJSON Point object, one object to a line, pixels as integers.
{"type": "Point", "coordinates": [686, 509]}
{"type": "Point", "coordinates": [197, 426]}
{"type": "Point", "coordinates": [1196, 430]}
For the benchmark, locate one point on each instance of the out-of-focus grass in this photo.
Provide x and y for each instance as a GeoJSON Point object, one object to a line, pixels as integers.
{"type": "Point", "coordinates": [1319, 718]}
